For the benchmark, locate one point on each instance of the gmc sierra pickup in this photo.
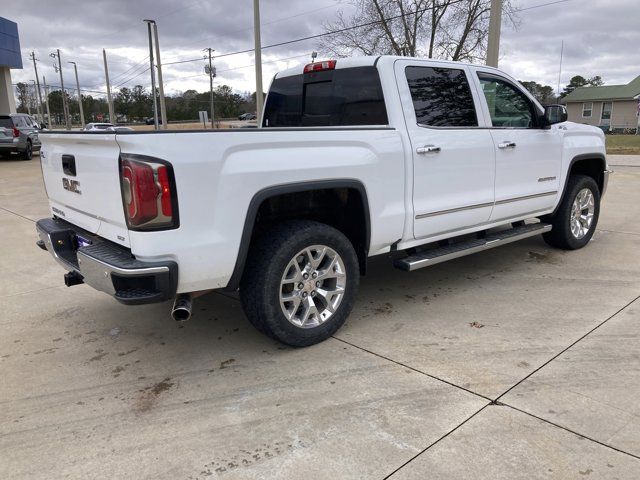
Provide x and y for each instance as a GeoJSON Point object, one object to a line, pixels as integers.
{"type": "Point", "coordinates": [354, 158]}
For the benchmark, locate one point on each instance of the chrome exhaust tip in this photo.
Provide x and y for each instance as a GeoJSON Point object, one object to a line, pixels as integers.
{"type": "Point", "coordinates": [181, 311]}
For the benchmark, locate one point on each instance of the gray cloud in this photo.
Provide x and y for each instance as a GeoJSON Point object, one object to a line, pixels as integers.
{"type": "Point", "coordinates": [600, 38]}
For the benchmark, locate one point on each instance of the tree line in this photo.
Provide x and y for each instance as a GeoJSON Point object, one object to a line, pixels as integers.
{"type": "Point", "coordinates": [136, 104]}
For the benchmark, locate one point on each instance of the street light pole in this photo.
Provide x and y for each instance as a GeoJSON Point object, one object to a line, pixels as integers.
{"type": "Point", "coordinates": [65, 108]}
{"type": "Point", "coordinates": [75, 68]}
{"type": "Point", "coordinates": [258, 59]}
{"type": "Point", "coordinates": [35, 68]}
{"type": "Point", "coordinates": [495, 22]}
{"type": "Point", "coordinates": [163, 109]}
{"type": "Point", "coordinates": [153, 75]}
{"type": "Point", "coordinates": [106, 75]}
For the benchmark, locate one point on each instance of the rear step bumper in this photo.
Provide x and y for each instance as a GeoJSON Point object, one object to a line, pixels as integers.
{"type": "Point", "coordinates": [106, 266]}
{"type": "Point", "coordinates": [442, 254]}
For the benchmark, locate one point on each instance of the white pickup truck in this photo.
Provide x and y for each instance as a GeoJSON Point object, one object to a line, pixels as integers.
{"type": "Point", "coordinates": [354, 158]}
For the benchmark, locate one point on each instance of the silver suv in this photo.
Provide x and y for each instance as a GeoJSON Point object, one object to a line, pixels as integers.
{"type": "Point", "coordinates": [19, 134]}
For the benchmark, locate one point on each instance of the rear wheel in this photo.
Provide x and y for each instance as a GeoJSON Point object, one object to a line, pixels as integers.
{"type": "Point", "coordinates": [300, 282]}
{"type": "Point", "coordinates": [28, 151]}
{"type": "Point", "coordinates": [577, 216]}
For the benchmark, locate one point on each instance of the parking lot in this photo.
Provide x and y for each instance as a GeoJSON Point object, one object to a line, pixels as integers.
{"type": "Point", "coordinates": [522, 362]}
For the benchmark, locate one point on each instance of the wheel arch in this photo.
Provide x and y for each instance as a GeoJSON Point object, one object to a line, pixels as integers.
{"type": "Point", "coordinates": [264, 195]}
{"type": "Point", "coordinates": [590, 164]}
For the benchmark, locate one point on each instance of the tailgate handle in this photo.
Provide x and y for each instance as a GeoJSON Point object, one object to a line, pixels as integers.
{"type": "Point", "coordinates": [69, 164]}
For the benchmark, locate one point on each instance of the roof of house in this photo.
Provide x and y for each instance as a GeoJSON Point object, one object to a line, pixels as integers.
{"type": "Point", "coordinates": [606, 92]}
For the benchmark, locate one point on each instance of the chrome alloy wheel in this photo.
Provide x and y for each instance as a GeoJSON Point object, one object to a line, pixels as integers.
{"type": "Point", "coordinates": [582, 212]}
{"type": "Point", "coordinates": [312, 286]}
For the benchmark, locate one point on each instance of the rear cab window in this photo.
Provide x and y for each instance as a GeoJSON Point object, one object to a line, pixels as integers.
{"type": "Point", "coordinates": [6, 122]}
{"type": "Point", "coordinates": [341, 97]}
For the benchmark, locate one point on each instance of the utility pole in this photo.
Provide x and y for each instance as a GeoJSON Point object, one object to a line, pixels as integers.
{"type": "Point", "coordinates": [106, 74]}
{"type": "Point", "coordinates": [258, 59]}
{"type": "Point", "coordinates": [212, 73]}
{"type": "Point", "coordinates": [560, 69]}
{"type": "Point", "coordinates": [495, 22]}
{"type": "Point", "coordinates": [163, 109]}
{"type": "Point", "coordinates": [153, 75]}
{"type": "Point", "coordinates": [46, 97]}
{"type": "Point", "coordinates": [29, 97]}
{"type": "Point", "coordinates": [75, 68]}
{"type": "Point", "coordinates": [35, 68]}
{"type": "Point", "coordinates": [58, 68]}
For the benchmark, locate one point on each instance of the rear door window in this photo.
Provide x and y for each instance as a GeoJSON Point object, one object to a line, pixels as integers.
{"type": "Point", "coordinates": [441, 97]}
{"type": "Point", "coordinates": [342, 97]}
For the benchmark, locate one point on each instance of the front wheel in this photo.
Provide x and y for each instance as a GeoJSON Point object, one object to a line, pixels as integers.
{"type": "Point", "coordinates": [577, 216]}
{"type": "Point", "coordinates": [300, 282]}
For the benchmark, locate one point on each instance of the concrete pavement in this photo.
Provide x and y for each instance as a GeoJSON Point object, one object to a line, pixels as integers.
{"type": "Point", "coordinates": [519, 362]}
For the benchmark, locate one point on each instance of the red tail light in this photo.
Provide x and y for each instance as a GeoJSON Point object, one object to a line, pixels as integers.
{"type": "Point", "coordinates": [320, 66]}
{"type": "Point", "coordinates": [16, 132]}
{"type": "Point", "coordinates": [148, 193]}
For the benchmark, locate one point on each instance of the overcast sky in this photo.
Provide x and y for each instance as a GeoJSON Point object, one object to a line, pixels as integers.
{"type": "Point", "coordinates": [601, 37]}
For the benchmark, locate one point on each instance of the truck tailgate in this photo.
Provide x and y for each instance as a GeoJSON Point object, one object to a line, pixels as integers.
{"type": "Point", "coordinates": [82, 180]}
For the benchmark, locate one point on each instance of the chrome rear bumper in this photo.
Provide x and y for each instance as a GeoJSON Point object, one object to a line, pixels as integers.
{"type": "Point", "coordinates": [106, 266]}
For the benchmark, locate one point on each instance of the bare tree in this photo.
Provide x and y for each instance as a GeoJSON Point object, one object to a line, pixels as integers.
{"type": "Point", "coordinates": [452, 29]}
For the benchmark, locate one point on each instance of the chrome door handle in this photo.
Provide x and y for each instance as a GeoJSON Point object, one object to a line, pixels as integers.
{"type": "Point", "coordinates": [428, 149]}
{"type": "Point", "coordinates": [507, 145]}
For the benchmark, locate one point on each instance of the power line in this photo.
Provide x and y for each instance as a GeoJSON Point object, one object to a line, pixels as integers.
{"type": "Point", "coordinates": [243, 66]}
{"type": "Point", "coordinates": [134, 67]}
{"type": "Point", "coordinates": [131, 78]}
{"type": "Point", "coordinates": [541, 5]}
{"type": "Point", "coordinates": [50, 85]}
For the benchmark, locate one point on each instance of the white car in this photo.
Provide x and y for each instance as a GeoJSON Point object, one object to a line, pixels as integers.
{"type": "Point", "coordinates": [94, 127]}
{"type": "Point", "coordinates": [357, 157]}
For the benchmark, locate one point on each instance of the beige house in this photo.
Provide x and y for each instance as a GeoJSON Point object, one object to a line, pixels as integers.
{"type": "Point", "coordinates": [613, 106]}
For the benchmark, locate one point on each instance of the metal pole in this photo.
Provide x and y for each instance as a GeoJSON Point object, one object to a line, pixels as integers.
{"type": "Point", "coordinates": [75, 68]}
{"type": "Point", "coordinates": [258, 59]}
{"type": "Point", "coordinates": [153, 76]}
{"type": "Point", "coordinates": [106, 74]}
{"type": "Point", "coordinates": [65, 108]}
{"type": "Point", "coordinates": [163, 109]}
{"type": "Point", "coordinates": [35, 68]}
{"type": "Point", "coordinates": [495, 21]}
{"type": "Point", "coordinates": [46, 96]}
{"type": "Point", "coordinates": [29, 97]}
{"type": "Point", "coordinates": [560, 69]}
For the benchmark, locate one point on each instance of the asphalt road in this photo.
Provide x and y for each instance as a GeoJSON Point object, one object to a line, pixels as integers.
{"type": "Point", "coordinates": [522, 362]}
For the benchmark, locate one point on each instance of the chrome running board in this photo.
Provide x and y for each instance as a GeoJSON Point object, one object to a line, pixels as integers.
{"type": "Point", "coordinates": [433, 256]}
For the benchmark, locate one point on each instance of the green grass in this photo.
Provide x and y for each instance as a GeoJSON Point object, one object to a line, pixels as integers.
{"type": "Point", "coordinates": [623, 144]}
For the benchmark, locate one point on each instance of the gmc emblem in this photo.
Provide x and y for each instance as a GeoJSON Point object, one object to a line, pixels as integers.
{"type": "Point", "coordinates": [71, 185]}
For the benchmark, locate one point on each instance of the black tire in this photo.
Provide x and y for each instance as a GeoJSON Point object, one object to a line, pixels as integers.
{"type": "Point", "coordinates": [28, 152]}
{"type": "Point", "coordinates": [560, 236]}
{"type": "Point", "coordinates": [268, 258]}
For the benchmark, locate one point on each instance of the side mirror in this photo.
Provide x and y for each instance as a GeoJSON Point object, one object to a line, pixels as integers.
{"type": "Point", "coordinates": [554, 114]}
